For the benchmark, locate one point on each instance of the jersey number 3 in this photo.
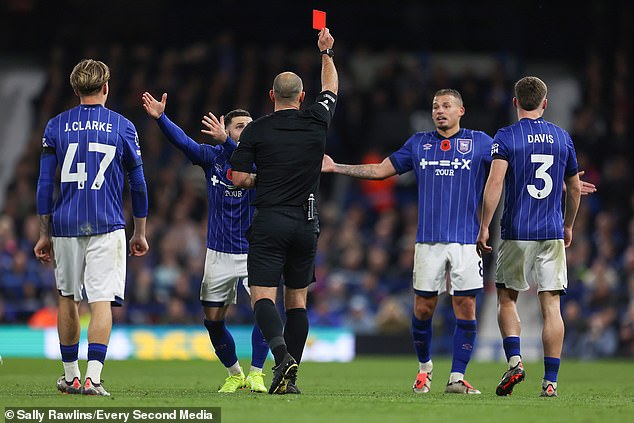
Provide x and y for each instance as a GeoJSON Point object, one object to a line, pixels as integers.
{"type": "Point", "coordinates": [546, 161]}
{"type": "Point", "coordinates": [81, 176]}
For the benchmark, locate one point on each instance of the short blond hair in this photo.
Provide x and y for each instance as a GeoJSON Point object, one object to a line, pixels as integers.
{"type": "Point", "coordinates": [88, 76]}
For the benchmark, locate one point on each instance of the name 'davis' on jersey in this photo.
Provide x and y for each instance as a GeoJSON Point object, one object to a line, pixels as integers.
{"type": "Point", "coordinates": [89, 125]}
{"type": "Point", "coordinates": [532, 138]}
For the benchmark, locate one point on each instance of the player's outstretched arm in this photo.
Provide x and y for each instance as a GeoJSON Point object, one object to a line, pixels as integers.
{"type": "Point", "coordinates": [174, 134]}
{"type": "Point", "coordinates": [382, 170]}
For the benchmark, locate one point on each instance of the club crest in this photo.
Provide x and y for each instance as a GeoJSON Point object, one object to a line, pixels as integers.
{"type": "Point", "coordinates": [464, 145]}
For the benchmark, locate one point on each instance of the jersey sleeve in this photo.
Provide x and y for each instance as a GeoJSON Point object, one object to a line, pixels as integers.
{"type": "Point", "coordinates": [48, 139]}
{"type": "Point", "coordinates": [228, 147]}
{"type": "Point", "coordinates": [179, 138]}
{"type": "Point", "coordinates": [48, 167]}
{"type": "Point", "coordinates": [572, 167]}
{"type": "Point", "coordinates": [324, 107]}
{"type": "Point", "coordinates": [208, 154]}
{"type": "Point", "coordinates": [244, 155]}
{"type": "Point", "coordinates": [402, 158]}
{"type": "Point", "coordinates": [131, 147]}
{"type": "Point", "coordinates": [499, 149]}
{"type": "Point", "coordinates": [487, 143]}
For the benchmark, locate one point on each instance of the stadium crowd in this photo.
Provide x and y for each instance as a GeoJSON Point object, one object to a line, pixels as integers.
{"type": "Point", "coordinates": [365, 256]}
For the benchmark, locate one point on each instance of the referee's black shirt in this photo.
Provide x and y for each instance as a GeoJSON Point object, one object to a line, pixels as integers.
{"type": "Point", "coordinates": [287, 148]}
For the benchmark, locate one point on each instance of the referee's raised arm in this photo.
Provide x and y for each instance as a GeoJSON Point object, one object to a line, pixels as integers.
{"type": "Point", "coordinates": [287, 147]}
{"type": "Point", "coordinates": [329, 78]}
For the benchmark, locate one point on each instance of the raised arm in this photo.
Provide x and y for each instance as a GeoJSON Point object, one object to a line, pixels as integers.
{"type": "Point", "coordinates": [382, 170]}
{"type": "Point", "coordinates": [174, 134]}
{"type": "Point", "coordinates": [492, 193]}
{"type": "Point", "coordinates": [329, 78]}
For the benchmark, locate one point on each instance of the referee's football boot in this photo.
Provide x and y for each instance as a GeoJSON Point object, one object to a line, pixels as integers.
{"type": "Point", "coordinates": [292, 387]}
{"type": "Point", "coordinates": [283, 373]}
{"type": "Point", "coordinates": [511, 377]}
{"type": "Point", "coordinates": [422, 384]}
{"type": "Point", "coordinates": [233, 383]}
{"type": "Point", "coordinates": [65, 387]}
{"type": "Point", "coordinates": [91, 388]}
{"type": "Point", "coordinates": [549, 389]}
{"type": "Point", "coordinates": [461, 387]}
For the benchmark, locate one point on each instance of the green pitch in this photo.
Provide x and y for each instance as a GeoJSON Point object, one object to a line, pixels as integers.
{"type": "Point", "coordinates": [366, 390]}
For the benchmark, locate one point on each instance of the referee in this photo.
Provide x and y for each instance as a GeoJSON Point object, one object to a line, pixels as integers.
{"type": "Point", "coordinates": [287, 148]}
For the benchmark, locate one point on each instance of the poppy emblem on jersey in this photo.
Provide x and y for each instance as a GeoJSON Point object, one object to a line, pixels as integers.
{"type": "Point", "coordinates": [230, 174]}
{"type": "Point", "coordinates": [445, 145]}
{"type": "Point", "coordinates": [427, 146]}
{"type": "Point", "coordinates": [464, 145]}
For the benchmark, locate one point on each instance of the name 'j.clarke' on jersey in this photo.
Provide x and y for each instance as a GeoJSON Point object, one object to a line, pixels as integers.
{"type": "Point", "coordinates": [90, 125]}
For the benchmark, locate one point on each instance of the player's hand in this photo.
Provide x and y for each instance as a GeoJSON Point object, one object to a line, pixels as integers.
{"type": "Point", "coordinates": [44, 249]}
{"type": "Point", "coordinates": [152, 107]}
{"type": "Point", "coordinates": [586, 187]}
{"type": "Point", "coordinates": [481, 243]}
{"type": "Point", "coordinates": [215, 128]}
{"type": "Point", "coordinates": [325, 40]}
{"type": "Point", "coordinates": [567, 237]}
{"type": "Point", "coordinates": [327, 164]}
{"type": "Point", "coordinates": [138, 245]}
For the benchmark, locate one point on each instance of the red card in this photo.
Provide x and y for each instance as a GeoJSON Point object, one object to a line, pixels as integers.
{"type": "Point", "coordinates": [319, 19]}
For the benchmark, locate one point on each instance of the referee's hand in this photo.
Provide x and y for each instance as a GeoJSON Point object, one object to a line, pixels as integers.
{"type": "Point", "coordinates": [325, 40]}
{"type": "Point", "coordinates": [327, 164]}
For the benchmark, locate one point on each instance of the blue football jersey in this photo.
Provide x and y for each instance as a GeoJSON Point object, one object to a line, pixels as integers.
{"type": "Point", "coordinates": [230, 210]}
{"type": "Point", "coordinates": [540, 155]}
{"type": "Point", "coordinates": [95, 147]}
{"type": "Point", "coordinates": [229, 207]}
{"type": "Point", "coordinates": [451, 173]}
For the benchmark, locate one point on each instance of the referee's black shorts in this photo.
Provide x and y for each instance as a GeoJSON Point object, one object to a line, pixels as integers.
{"type": "Point", "coordinates": [282, 243]}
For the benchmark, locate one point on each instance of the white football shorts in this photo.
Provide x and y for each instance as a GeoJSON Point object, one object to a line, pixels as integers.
{"type": "Point", "coordinates": [96, 263]}
{"type": "Point", "coordinates": [223, 272]}
{"type": "Point", "coordinates": [522, 263]}
{"type": "Point", "coordinates": [433, 262]}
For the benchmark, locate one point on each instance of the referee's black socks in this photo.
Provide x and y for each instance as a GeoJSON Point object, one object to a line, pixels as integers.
{"type": "Point", "coordinates": [296, 332]}
{"type": "Point", "coordinates": [269, 322]}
